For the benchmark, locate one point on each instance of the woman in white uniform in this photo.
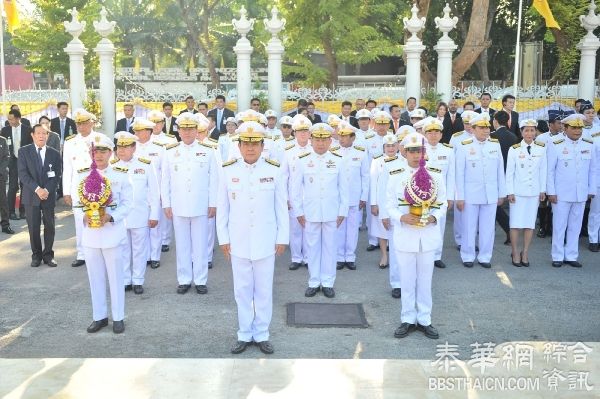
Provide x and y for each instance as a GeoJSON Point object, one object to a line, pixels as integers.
{"type": "Point", "coordinates": [526, 187]}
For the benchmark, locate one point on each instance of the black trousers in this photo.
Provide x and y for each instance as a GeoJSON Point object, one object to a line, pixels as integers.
{"type": "Point", "coordinates": [35, 215]}
{"type": "Point", "coordinates": [502, 219]}
{"type": "Point", "coordinates": [13, 186]}
{"type": "Point", "coordinates": [3, 203]}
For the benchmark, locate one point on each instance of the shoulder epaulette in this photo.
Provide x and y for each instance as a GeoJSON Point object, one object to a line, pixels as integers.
{"type": "Point", "coordinates": [276, 137]}
{"type": "Point", "coordinates": [436, 170]}
{"type": "Point", "coordinates": [369, 136]}
{"type": "Point", "coordinates": [304, 155]}
{"type": "Point", "coordinates": [588, 140]}
{"type": "Point", "coordinates": [70, 137]}
{"type": "Point", "coordinates": [272, 162]}
{"type": "Point", "coordinates": [235, 138]}
{"type": "Point", "coordinates": [144, 160]}
{"type": "Point", "coordinates": [493, 140]}
{"type": "Point", "coordinates": [207, 145]}
{"type": "Point", "coordinates": [170, 135]}
{"type": "Point", "coordinates": [540, 143]}
{"type": "Point", "coordinates": [289, 147]}
{"type": "Point", "coordinates": [334, 148]}
{"type": "Point", "coordinates": [159, 144]}
{"type": "Point", "coordinates": [120, 169]}
{"type": "Point", "coordinates": [390, 159]}
{"type": "Point", "coordinates": [83, 170]}
{"type": "Point", "coordinates": [447, 145]}
{"type": "Point", "coordinates": [516, 146]}
{"type": "Point", "coordinates": [377, 156]}
{"type": "Point", "coordinates": [457, 134]}
{"type": "Point", "coordinates": [230, 162]}
{"type": "Point", "coordinates": [335, 153]}
{"type": "Point", "coordinates": [396, 171]}
{"type": "Point", "coordinates": [290, 138]}
{"type": "Point", "coordinates": [596, 134]}
{"type": "Point", "coordinates": [268, 138]}
{"type": "Point", "coordinates": [359, 148]}
{"type": "Point", "coordinates": [213, 140]}
{"type": "Point", "coordinates": [114, 161]}
{"type": "Point", "coordinates": [558, 141]}
{"type": "Point", "coordinates": [172, 145]}
{"type": "Point", "coordinates": [465, 142]}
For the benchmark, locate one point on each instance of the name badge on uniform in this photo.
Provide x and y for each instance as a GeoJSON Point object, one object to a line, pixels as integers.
{"type": "Point", "coordinates": [153, 154]}
{"type": "Point", "coordinates": [585, 151]}
{"type": "Point", "coordinates": [266, 179]}
{"type": "Point", "coordinates": [9, 141]}
{"type": "Point", "coordinates": [441, 157]}
{"type": "Point", "coordinates": [330, 164]}
{"type": "Point", "coordinates": [50, 172]}
{"type": "Point", "coordinates": [139, 172]}
{"type": "Point", "coordinates": [235, 180]}
{"type": "Point", "coordinates": [200, 154]}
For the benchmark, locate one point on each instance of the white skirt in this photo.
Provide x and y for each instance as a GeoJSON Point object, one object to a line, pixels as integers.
{"type": "Point", "coordinates": [523, 212]}
{"type": "Point", "coordinates": [376, 228]}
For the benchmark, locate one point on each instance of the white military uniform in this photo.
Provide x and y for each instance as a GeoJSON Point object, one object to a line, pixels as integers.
{"type": "Point", "coordinates": [376, 197]}
{"type": "Point", "coordinates": [163, 138]}
{"type": "Point", "coordinates": [102, 246]}
{"type": "Point", "coordinates": [271, 150]}
{"type": "Point", "coordinates": [374, 146]}
{"type": "Point", "coordinates": [189, 188]}
{"type": "Point", "coordinates": [415, 247]}
{"type": "Point", "coordinates": [526, 180]}
{"type": "Point", "coordinates": [442, 157]}
{"type": "Point", "coordinates": [145, 206]}
{"type": "Point", "coordinates": [480, 183]}
{"type": "Point", "coordinates": [210, 248]}
{"type": "Point", "coordinates": [455, 142]}
{"type": "Point", "coordinates": [571, 177]}
{"type": "Point", "coordinates": [356, 162]}
{"type": "Point", "coordinates": [549, 138]}
{"type": "Point", "coordinates": [298, 244]}
{"type": "Point", "coordinates": [390, 167]}
{"type": "Point", "coordinates": [161, 234]}
{"type": "Point", "coordinates": [252, 218]}
{"type": "Point", "coordinates": [320, 194]}
{"type": "Point", "coordinates": [76, 156]}
{"type": "Point", "coordinates": [594, 215]}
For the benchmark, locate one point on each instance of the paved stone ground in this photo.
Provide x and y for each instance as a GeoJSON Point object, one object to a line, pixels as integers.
{"type": "Point", "coordinates": [44, 312]}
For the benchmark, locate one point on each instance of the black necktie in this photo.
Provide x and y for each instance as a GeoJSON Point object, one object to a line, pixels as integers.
{"type": "Point", "coordinates": [529, 149]}
{"type": "Point", "coordinates": [40, 161]}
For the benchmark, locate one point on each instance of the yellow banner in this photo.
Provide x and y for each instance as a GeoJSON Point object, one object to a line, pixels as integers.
{"type": "Point", "coordinates": [543, 8]}
{"type": "Point", "coordinates": [12, 15]}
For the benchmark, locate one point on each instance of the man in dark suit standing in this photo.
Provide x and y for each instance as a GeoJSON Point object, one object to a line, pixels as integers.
{"type": "Point", "coordinates": [125, 124]}
{"type": "Point", "coordinates": [220, 113]}
{"type": "Point", "coordinates": [314, 118]}
{"type": "Point", "coordinates": [24, 121]}
{"type": "Point", "coordinates": [508, 104]}
{"type": "Point", "coordinates": [345, 115]}
{"type": "Point", "coordinates": [4, 161]}
{"type": "Point", "coordinates": [17, 135]}
{"type": "Point", "coordinates": [411, 104]}
{"type": "Point", "coordinates": [190, 105]}
{"type": "Point", "coordinates": [486, 99]}
{"type": "Point", "coordinates": [359, 104]}
{"type": "Point", "coordinates": [62, 124]}
{"type": "Point", "coordinates": [39, 171]}
{"type": "Point", "coordinates": [170, 127]}
{"type": "Point", "coordinates": [452, 122]}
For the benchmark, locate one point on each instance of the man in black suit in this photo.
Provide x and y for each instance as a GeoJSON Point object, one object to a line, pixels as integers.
{"type": "Point", "coordinates": [62, 124]}
{"type": "Point", "coordinates": [24, 121]}
{"type": "Point", "coordinates": [302, 103]}
{"type": "Point", "coordinates": [4, 161]}
{"type": "Point", "coordinates": [190, 105]}
{"type": "Point", "coordinates": [220, 113]}
{"type": "Point", "coordinates": [508, 104]}
{"type": "Point", "coordinates": [170, 127]}
{"type": "Point", "coordinates": [486, 99]}
{"type": "Point", "coordinates": [39, 171]}
{"type": "Point", "coordinates": [17, 135]}
{"type": "Point", "coordinates": [359, 104]}
{"type": "Point", "coordinates": [345, 115]}
{"type": "Point", "coordinates": [126, 124]}
{"type": "Point", "coordinates": [314, 118]}
{"type": "Point", "coordinates": [411, 104]}
{"type": "Point", "coordinates": [452, 122]}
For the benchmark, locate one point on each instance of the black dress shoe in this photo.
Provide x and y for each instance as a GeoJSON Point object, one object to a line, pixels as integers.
{"type": "Point", "coordinates": [383, 266]}
{"type": "Point", "coordinates": [507, 241]}
{"type": "Point", "coordinates": [458, 247]}
{"type": "Point", "coordinates": [524, 264]}
{"type": "Point", "coordinates": [429, 331]}
{"type": "Point", "coordinates": [515, 264]}
{"type": "Point", "coordinates": [164, 248]}
{"type": "Point", "coordinates": [183, 288]}
{"type": "Point", "coordinates": [311, 291]}
{"type": "Point", "coordinates": [295, 265]}
{"type": "Point", "coordinates": [485, 265]}
{"type": "Point", "coordinates": [265, 347]}
{"type": "Point", "coordinates": [210, 265]}
{"type": "Point", "coordinates": [148, 262]}
{"type": "Point", "coordinates": [128, 287]}
{"type": "Point", "coordinates": [372, 247]}
{"type": "Point", "coordinates": [594, 247]}
{"type": "Point", "coordinates": [154, 264]}
{"type": "Point", "coordinates": [77, 263]}
{"type": "Point", "coordinates": [118, 326]}
{"type": "Point", "coordinates": [8, 230]}
{"type": "Point", "coordinates": [240, 346]}
{"type": "Point", "coordinates": [573, 263]}
{"type": "Point", "coordinates": [328, 292]}
{"type": "Point", "coordinates": [51, 262]}
{"type": "Point", "coordinates": [22, 216]}
{"type": "Point", "coordinates": [305, 264]}
{"type": "Point", "coordinates": [340, 265]}
{"type": "Point", "coordinates": [439, 264]}
{"type": "Point", "coordinates": [97, 325]}
{"type": "Point", "coordinates": [396, 293]}
{"type": "Point", "coordinates": [138, 289]}
{"type": "Point", "coordinates": [201, 289]}
{"type": "Point", "coordinates": [403, 330]}
{"type": "Point", "coordinates": [468, 264]}
{"type": "Point", "coordinates": [556, 263]}
{"type": "Point", "coordinates": [541, 233]}
{"type": "Point", "coordinates": [351, 265]}
{"type": "Point", "coordinates": [13, 216]}
{"type": "Point", "coordinates": [36, 262]}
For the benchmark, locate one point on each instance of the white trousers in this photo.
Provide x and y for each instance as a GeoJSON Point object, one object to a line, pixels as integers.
{"type": "Point", "coordinates": [102, 263]}
{"type": "Point", "coordinates": [135, 254]}
{"type": "Point", "coordinates": [321, 242]}
{"type": "Point", "coordinates": [393, 261]}
{"type": "Point", "coordinates": [442, 224]}
{"type": "Point", "coordinates": [482, 218]}
{"type": "Point", "coordinates": [373, 240]}
{"type": "Point", "coordinates": [594, 219]}
{"type": "Point", "coordinates": [298, 246]}
{"type": "Point", "coordinates": [78, 216]}
{"type": "Point", "coordinates": [347, 235]}
{"type": "Point", "coordinates": [191, 235]}
{"type": "Point", "coordinates": [567, 217]}
{"type": "Point", "coordinates": [457, 225]}
{"type": "Point", "coordinates": [253, 290]}
{"type": "Point", "coordinates": [416, 272]}
{"type": "Point", "coordinates": [155, 237]}
{"type": "Point", "coordinates": [212, 232]}
{"type": "Point", "coordinates": [166, 230]}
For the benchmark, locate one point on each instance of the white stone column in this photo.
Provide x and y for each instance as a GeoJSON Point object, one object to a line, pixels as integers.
{"type": "Point", "coordinates": [588, 46]}
{"type": "Point", "coordinates": [76, 51]}
{"type": "Point", "coordinates": [413, 49]}
{"type": "Point", "coordinates": [445, 47]}
{"type": "Point", "coordinates": [106, 53]}
{"type": "Point", "coordinates": [275, 51]}
{"type": "Point", "coordinates": [243, 49]}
